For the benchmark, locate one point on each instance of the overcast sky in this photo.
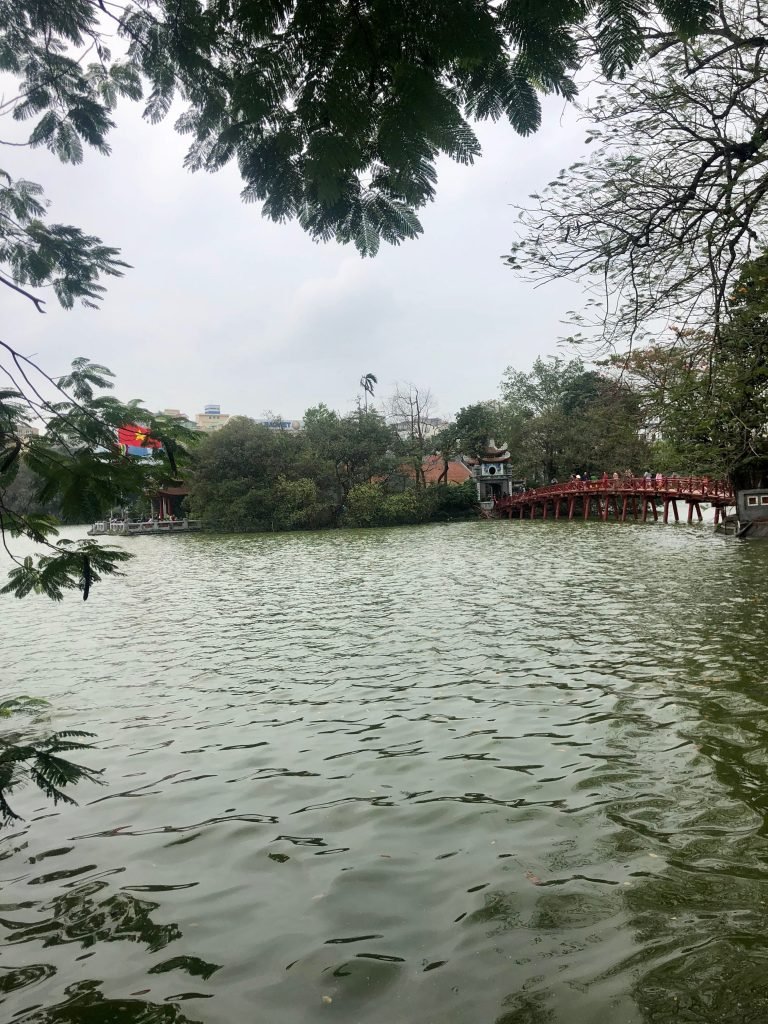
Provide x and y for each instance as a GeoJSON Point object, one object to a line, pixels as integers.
{"type": "Point", "coordinates": [223, 306]}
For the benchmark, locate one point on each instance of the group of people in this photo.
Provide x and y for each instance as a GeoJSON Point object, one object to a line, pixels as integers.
{"type": "Point", "coordinates": [149, 521]}
{"type": "Point", "coordinates": [616, 477]}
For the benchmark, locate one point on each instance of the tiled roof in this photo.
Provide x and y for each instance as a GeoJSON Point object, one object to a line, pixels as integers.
{"type": "Point", "coordinates": [433, 468]}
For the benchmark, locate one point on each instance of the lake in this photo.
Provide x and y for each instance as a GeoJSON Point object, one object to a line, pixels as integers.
{"type": "Point", "coordinates": [485, 773]}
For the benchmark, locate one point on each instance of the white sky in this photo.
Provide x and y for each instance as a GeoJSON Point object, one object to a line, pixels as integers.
{"type": "Point", "coordinates": [223, 306]}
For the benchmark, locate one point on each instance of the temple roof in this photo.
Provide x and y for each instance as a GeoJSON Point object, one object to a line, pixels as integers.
{"type": "Point", "coordinates": [493, 449]}
{"type": "Point", "coordinates": [492, 453]}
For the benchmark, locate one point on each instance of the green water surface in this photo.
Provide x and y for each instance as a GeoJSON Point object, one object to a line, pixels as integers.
{"type": "Point", "coordinates": [490, 773]}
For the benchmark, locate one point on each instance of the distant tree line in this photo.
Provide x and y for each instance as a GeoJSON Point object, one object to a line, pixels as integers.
{"type": "Point", "coordinates": [368, 469]}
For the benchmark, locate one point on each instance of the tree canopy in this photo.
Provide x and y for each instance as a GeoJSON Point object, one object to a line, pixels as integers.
{"type": "Point", "coordinates": [659, 221]}
{"type": "Point", "coordinates": [334, 112]}
{"type": "Point", "coordinates": [709, 400]}
{"type": "Point", "coordinates": [565, 418]}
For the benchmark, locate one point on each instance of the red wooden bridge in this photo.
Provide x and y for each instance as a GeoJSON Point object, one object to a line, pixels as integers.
{"type": "Point", "coordinates": [622, 499]}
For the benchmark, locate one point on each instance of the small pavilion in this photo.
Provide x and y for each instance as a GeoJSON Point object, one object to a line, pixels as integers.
{"type": "Point", "coordinates": [167, 502]}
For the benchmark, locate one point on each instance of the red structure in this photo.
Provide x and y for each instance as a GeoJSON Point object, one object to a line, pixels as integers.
{"type": "Point", "coordinates": [626, 498]}
{"type": "Point", "coordinates": [167, 502]}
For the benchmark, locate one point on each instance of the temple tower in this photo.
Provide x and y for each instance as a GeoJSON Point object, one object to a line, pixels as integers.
{"type": "Point", "coordinates": [492, 473]}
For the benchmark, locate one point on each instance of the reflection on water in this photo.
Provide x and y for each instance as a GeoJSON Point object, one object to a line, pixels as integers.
{"type": "Point", "coordinates": [498, 773]}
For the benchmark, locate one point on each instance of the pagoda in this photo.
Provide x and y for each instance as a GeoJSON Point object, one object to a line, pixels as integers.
{"type": "Point", "coordinates": [492, 472]}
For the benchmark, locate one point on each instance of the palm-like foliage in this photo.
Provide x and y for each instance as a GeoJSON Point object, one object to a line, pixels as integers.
{"type": "Point", "coordinates": [38, 761]}
{"type": "Point", "coordinates": [368, 382]}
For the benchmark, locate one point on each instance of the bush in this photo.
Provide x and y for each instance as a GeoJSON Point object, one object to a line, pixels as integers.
{"type": "Point", "coordinates": [370, 505]}
{"type": "Point", "coordinates": [365, 505]}
{"type": "Point", "coordinates": [408, 507]}
{"type": "Point", "coordinates": [455, 501]}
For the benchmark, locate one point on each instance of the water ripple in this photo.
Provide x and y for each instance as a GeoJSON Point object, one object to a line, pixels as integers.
{"type": "Point", "coordinates": [499, 773]}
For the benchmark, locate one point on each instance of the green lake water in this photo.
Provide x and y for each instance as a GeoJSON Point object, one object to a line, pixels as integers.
{"type": "Point", "coordinates": [488, 773]}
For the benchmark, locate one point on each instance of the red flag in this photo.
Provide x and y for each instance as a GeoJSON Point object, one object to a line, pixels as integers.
{"type": "Point", "coordinates": [136, 437]}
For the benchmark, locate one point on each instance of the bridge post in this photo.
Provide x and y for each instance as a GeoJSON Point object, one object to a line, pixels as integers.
{"type": "Point", "coordinates": [557, 508]}
{"type": "Point", "coordinates": [698, 511]}
{"type": "Point", "coordinates": [717, 514]}
{"type": "Point", "coordinates": [674, 509]}
{"type": "Point", "coordinates": [571, 505]}
{"type": "Point", "coordinates": [586, 504]}
{"type": "Point", "coordinates": [689, 518]}
{"type": "Point", "coordinates": [544, 509]}
{"type": "Point", "coordinates": [624, 509]}
{"type": "Point", "coordinates": [666, 510]}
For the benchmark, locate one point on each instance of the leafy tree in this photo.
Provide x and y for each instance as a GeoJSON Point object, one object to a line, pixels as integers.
{"type": "Point", "coordinates": [545, 389]}
{"type": "Point", "coordinates": [358, 447]}
{"type": "Point", "coordinates": [335, 113]}
{"type": "Point", "coordinates": [709, 397]}
{"type": "Point", "coordinates": [79, 468]}
{"type": "Point", "coordinates": [365, 504]}
{"type": "Point", "coordinates": [536, 403]}
{"type": "Point", "coordinates": [475, 426]}
{"type": "Point", "coordinates": [571, 419]}
{"type": "Point", "coordinates": [607, 432]}
{"type": "Point", "coordinates": [659, 221]}
{"type": "Point", "coordinates": [248, 476]}
{"type": "Point", "coordinates": [339, 470]}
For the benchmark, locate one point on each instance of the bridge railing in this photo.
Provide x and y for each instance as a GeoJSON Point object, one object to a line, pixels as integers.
{"type": "Point", "coordinates": [701, 488]}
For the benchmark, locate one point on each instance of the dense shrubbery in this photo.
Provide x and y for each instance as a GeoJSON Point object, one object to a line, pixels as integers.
{"type": "Point", "coordinates": [369, 504]}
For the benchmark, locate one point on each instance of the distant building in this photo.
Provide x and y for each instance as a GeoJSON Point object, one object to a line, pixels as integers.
{"type": "Point", "coordinates": [177, 414]}
{"type": "Point", "coordinates": [433, 467]}
{"type": "Point", "coordinates": [652, 431]}
{"type": "Point", "coordinates": [24, 431]}
{"type": "Point", "coordinates": [427, 427]}
{"type": "Point", "coordinates": [211, 419]}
